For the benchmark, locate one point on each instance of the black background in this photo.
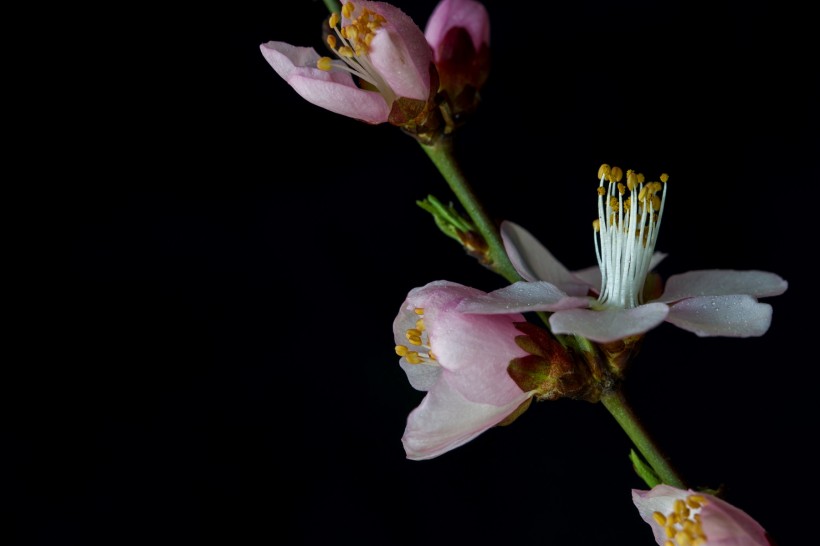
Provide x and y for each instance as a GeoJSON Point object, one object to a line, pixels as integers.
{"type": "Point", "coordinates": [208, 346]}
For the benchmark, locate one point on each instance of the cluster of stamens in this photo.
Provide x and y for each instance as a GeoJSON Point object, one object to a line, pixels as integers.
{"type": "Point", "coordinates": [418, 351]}
{"type": "Point", "coordinates": [683, 526]}
{"type": "Point", "coordinates": [626, 232]}
{"type": "Point", "coordinates": [351, 43]}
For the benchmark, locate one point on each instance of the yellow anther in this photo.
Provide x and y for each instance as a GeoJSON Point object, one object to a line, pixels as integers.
{"type": "Point", "coordinates": [414, 340]}
{"type": "Point", "coordinates": [343, 32]}
{"type": "Point", "coordinates": [418, 311]}
{"type": "Point", "coordinates": [641, 178]}
{"type": "Point", "coordinates": [596, 225]}
{"type": "Point", "coordinates": [331, 41]}
{"type": "Point", "coordinates": [334, 19]}
{"type": "Point", "coordinates": [683, 538]}
{"type": "Point", "coordinates": [670, 531]}
{"type": "Point", "coordinates": [413, 357]}
{"type": "Point", "coordinates": [603, 171]}
{"type": "Point", "coordinates": [656, 202]}
{"type": "Point", "coordinates": [616, 174]}
{"type": "Point", "coordinates": [347, 9]}
{"type": "Point", "coordinates": [369, 38]}
{"type": "Point", "coordinates": [401, 350]}
{"type": "Point", "coordinates": [672, 519]}
{"type": "Point", "coordinates": [668, 543]}
{"type": "Point", "coordinates": [631, 180]}
{"type": "Point", "coordinates": [659, 518]}
{"type": "Point", "coordinates": [679, 507]}
{"type": "Point", "coordinates": [420, 325]}
{"type": "Point", "coordinates": [700, 541]}
{"type": "Point", "coordinates": [431, 356]}
{"type": "Point", "coordinates": [695, 501]}
{"type": "Point", "coordinates": [345, 51]}
{"type": "Point", "coordinates": [352, 33]}
{"type": "Point", "coordinates": [664, 178]}
{"type": "Point", "coordinates": [324, 63]}
{"type": "Point", "coordinates": [621, 188]}
{"type": "Point", "coordinates": [601, 191]}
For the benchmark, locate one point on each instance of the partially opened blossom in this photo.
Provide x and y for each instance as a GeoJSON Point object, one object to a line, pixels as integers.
{"type": "Point", "coordinates": [459, 33]}
{"type": "Point", "coordinates": [374, 42]}
{"type": "Point", "coordinates": [608, 302]}
{"type": "Point", "coordinates": [461, 361]}
{"type": "Point", "coordinates": [680, 517]}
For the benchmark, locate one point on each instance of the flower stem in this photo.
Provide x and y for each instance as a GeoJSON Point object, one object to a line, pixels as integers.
{"type": "Point", "coordinates": [616, 403]}
{"type": "Point", "coordinates": [333, 6]}
{"type": "Point", "coordinates": [441, 154]}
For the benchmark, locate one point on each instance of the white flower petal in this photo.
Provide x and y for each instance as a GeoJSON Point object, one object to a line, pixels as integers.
{"type": "Point", "coordinates": [522, 297]}
{"type": "Point", "coordinates": [535, 263]}
{"type": "Point", "coordinates": [609, 324]}
{"type": "Point", "coordinates": [734, 316]}
{"type": "Point", "coordinates": [445, 420]}
{"type": "Point", "coordinates": [722, 282]}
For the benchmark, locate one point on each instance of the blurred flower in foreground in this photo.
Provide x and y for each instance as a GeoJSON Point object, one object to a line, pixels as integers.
{"type": "Point", "coordinates": [459, 33]}
{"type": "Point", "coordinates": [687, 518]}
{"type": "Point", "coordinates": [378, 44]}
{"type": "Point", "coordinates": [461, 361]}
{"type": "Point", "coordinates": [711, 302]}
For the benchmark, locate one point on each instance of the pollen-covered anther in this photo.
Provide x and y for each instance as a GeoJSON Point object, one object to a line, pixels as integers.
{"type": "Point", "coordinates": [347, 9]}
{"type": "Point", "coordinates": [616, 174]}
{"type": "Point", "coordinates": [603, 171]}
{"type": "Point", "coordinates": [324, 63]}
{"type": "Point", "coordinates": [664, 178]}
{"type": "Point", "coordinates": [682, 526]}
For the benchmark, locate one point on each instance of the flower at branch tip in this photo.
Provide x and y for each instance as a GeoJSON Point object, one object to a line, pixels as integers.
{"type": "Point", "coordinates": [461, 361]}
{"type": "Point", "coordinates": [374, 42]}
{"type": "Point", "coordinates": [459, 33]}
{"type": "Point", "coordinates": [714, 302]}
{"type": "Point", "coordinates": [681, 517]}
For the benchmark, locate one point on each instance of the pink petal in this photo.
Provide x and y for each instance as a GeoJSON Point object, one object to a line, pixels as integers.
{"type": "Point", "coordinates": [399, 51]}
{"type": "Point", "coordinates": [445, 420]}
{"type": "Point", "coordinates": [733, 316]}
{"type": "Point", "coordinates": [333, 90]}
{"type": "Point", "coordinates": [467, 14]}
{"type": "Point", "coordinates": [422, 376]}
{"type": "Point", "coordinates": [522, 297]}
{"type": "Point", "coordinates": [535, 263]}
{"type": "Point", "coordinates": [475, 351]}
{"type": "Point", "coordinates": [722, 282]}
{"type": "Point", "coordinates": [608, 324]}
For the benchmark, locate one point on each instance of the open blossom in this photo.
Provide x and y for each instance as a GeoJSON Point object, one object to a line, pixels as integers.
{"type": "Point", "coordinates": [715, 302]}
{"type": "Point", "coordinates": [461, 361]}
{"type": "Point", "coordinates": [681, 517]}
{"type": "Point", "coordinates": [374, 41]}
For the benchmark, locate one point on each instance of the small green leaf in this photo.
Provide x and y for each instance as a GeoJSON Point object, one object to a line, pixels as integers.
{"type": "Point", "coordinates": [643, 470]}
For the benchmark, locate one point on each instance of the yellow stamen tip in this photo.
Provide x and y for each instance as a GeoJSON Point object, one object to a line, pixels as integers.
{"type": "Point", "coordinates": [616, 174]}
{"type": "Point", "coordinates": [664, 178]}
{"type": "Point", "coordinates": [347, 9]}
{"type": "Point", "coordinates": [603, 171]}
{"type": "Point", "coordinates": [324, 63]}
{"type": "Point", "coordinates": [418, 311]}
{"type": "Point", "coordinates": [659, 518]}
{"type": "Point", "coordinates": [334, 19]}
{"type": "Point", "coordinates": [401, 350]}
{"type": "Point", "coordinates": [345, 51]}
{"type": "Point", "coordinates": [331, 41]}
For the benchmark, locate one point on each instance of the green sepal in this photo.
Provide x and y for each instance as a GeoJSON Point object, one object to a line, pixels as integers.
{"type": "Point", "coordinates": [643, 470]}
{"type": "Point", "coordinates": [530, 373]}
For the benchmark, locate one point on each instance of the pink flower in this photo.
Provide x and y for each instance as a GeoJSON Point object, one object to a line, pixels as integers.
{"type": "Point", "coordinates": [684, 517]}
{"type": "Point", "coordinates": [714, 302]}
{"type": "Point", "coordinates": [459, 33]}
{"type": "Point", "coordinates": [461, 361]}
{"type": "Point", "coordinates": [377, 43]}
{"type": "Point", "coordinates": [450, 15]}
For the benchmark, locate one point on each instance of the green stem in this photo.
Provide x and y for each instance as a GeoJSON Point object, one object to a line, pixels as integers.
{"type": "Point", "coordinates": [333, 6]}
{"type": "Point", "coordinates": [616, 403]}
{"type": "Point", "coordinates": [441, 154]}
